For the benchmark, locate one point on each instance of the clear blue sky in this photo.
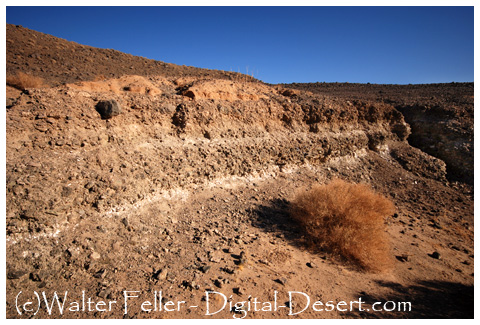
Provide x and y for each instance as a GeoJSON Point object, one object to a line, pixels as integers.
{"type": "Point", "coordinates": [279, 44]}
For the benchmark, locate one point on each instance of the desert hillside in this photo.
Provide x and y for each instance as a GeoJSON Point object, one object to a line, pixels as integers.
{"type": "Point", "coordinates": [129, 174]}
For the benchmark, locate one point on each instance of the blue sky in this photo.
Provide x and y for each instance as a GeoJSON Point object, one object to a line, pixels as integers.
{"type": "Point", "coordinates": [398, 45]}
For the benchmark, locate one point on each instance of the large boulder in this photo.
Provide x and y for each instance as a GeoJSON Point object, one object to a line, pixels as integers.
{"type": "Point", "coordinates": [108, 108]}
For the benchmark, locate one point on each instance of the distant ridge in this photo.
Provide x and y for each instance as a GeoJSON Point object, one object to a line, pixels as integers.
{"type": "Point", "coordinates": [60, 61]}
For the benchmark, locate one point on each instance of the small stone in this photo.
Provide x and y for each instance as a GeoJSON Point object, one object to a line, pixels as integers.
{"type": "Point", "coordinates": [41, 127]}
{"type": "Point", "coordinates": [282, 281]}
{"type": "Point", "coordinates": [18, 190]}
{"type": "Point", "coordinates": [218, 283]}
{"type": "Point", "coordinates": [72, 251]}
{"type": "Point", "coordinates": [35, 277]}
{"type": "Point", "coordinates": [311, 265]}
{"type": "Point", "coordinates": [436, 224]}
{"type": "Point", "coordinates": [167, 108]}
{"type": "Point", "coordinates": [228, 270]}
{"type": "Point", "coordinates": [264, 262]}
{"type": "Point", "coordinates": [402, 258]}
{"type": "Point", "coordinates": [161, 274]}
{"type": "Point", "coordinates": [95, 256]}
{"type": "Point", "coordinates": [435, 255]}
{"type": "Point", "coordinates": [205, 268]}
{"type": "Point", "coordinates": [42, 284]}
{"type": "Point", "coordinates": [100, 274]}
{"type": "Point", "coordinates": [188, 284]}
{"type": "Point", "coordinates": [125, 222]}
{"type": "Point", "coordinates": [13, 275]}
{"type": "Point", "coordinates": [89, 186]}
{"type": "Point", "coordinates": [10, 102]}
{"type": "Point", "coordinates": [116, 246]}
{"type": "Point", "coordinates": [104, 293]}
{"type": "Point", "coordinates": [214, 257]}
{"type": "Point", "coordinates": [238, 291]}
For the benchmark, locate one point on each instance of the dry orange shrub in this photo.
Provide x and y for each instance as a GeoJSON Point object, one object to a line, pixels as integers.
{"type": "Point", "coordinates": [349, 220]}
{"type": "Point", "coordinates": [23, 81]}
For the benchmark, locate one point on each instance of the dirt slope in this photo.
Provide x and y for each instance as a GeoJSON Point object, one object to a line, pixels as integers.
{"type": "Point", "coordinates": [61, 61]}
{"type": "Point", "coordinates": [188, 190]}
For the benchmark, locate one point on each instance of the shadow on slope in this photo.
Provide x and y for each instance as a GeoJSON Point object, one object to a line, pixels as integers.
{"type": "Point", "coordinates": [428, 299]}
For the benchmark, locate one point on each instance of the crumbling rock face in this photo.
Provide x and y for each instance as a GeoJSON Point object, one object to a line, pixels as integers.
{"type": "Point", "coordinates": [418, 162]}
{"type": "Point", "coordinates": [223, 90]}
{"type": "Point", "coordinates": [402, 130]}
{"type": "Point", "coordinates": [167, 141]}
{"type": "Point", "coordinates": [439, 117]}
{"type": "Point", "coordinates": [445, 133]}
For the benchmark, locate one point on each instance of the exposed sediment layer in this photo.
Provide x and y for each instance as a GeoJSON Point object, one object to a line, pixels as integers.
{"type": "Point", "coordinates": [69, 158]}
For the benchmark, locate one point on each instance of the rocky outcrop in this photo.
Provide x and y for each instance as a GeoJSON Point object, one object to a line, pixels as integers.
{"type": "Point", "coordinates": [440, 117]}
{"type": "Point", "coordinates": [108, 108]}
{"type": "Point", "coordinates": [168, 140]}
{"type": "Point", "coordinates": [418, 162]}
{"type": "Point", "coordinates": [444, 132]}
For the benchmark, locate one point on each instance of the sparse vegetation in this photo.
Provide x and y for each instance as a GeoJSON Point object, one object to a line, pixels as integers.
{"type": "Point", "coordinates": [23, 81]}
{"type": "Point", "coordinates": [347, 219]}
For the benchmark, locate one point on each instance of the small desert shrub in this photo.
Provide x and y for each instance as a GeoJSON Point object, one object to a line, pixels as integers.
{"type": "Point", "coordinates": [347, 219]}
{"type": "Point", "coordinates": [23, 81]}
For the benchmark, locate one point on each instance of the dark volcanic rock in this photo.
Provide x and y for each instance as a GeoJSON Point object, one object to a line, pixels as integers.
{"type": "Point", "coordinates": [108, 108]}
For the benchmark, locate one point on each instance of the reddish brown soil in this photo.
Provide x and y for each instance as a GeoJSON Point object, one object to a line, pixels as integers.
{"type": "Point", "coordinates": [189, 188]}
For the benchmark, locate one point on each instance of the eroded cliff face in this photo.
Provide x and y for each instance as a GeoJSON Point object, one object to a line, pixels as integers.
{"type": "Point", "coordinates": [440, 117]}
{"type": "Point", "coordinates": [445, 133]}
{"type": "Point", "coordinates": [67, 158]}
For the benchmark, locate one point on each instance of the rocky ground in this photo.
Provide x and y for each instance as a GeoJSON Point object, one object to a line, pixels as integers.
{"type": "Point", "coordinates": [187, 189]}
{"type": "Point", "coordinates": [440, 115]}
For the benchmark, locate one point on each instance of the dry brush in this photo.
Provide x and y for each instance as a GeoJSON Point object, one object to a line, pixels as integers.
{"type": "Point", "coordinates": [347, 219]}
